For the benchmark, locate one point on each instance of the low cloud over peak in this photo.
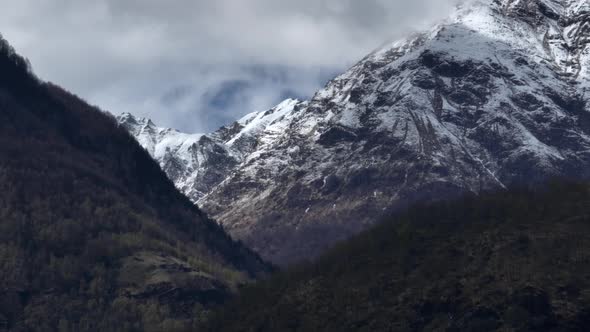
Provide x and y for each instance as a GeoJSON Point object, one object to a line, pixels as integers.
{"type": "Point", "coordinates": [197, 64]}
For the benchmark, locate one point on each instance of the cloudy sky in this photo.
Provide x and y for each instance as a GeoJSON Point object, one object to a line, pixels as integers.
{"type": "Point", "coordinates": [197, 64]}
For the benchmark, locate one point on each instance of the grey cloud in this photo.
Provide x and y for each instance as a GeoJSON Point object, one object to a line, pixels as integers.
{"type": "Point", "coordinates": [167, 59]}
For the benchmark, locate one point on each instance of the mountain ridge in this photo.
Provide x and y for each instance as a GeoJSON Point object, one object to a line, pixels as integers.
{"type": "Point", "coordinates": [494, 96]}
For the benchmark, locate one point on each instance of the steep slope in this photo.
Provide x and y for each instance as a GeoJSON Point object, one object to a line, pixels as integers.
{"type": "Point", "coordinates": [508, 261]}
{"type": "Point", "coordinates": [494, 96]}
{"type": "Point", "coordinates": [93, 235]}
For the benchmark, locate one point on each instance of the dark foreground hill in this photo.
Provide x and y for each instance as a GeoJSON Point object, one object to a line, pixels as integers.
{"type": "Point", "coordinates": [510, 261]}
{"type": "Point", "coordinates": [93, 236]}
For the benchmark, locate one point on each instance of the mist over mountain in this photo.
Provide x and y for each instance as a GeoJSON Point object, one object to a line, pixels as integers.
{"type": "Point", "coordinates": [170, 60]}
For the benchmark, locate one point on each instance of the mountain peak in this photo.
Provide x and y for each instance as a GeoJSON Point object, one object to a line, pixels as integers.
{"type": "Point", "coordinates": [494, 96]}
{"type": "Point", "coordinates": [131, 120]}
{"type": "Point", "coordinates": [199, 162]}
{"type": "Point", "coordinates": [127, 118]}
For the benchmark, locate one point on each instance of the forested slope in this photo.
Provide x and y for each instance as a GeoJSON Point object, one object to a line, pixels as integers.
{"type": "Point", "coordinates": [509, 261]}
{"type": "Point", "coordinates": [93, 236]}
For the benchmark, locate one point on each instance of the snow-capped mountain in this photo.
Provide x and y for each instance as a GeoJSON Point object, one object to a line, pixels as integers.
{"type": "Point", "coordinates": [496, 95]}
{"type": "Point", "coordinates": [196, 163]}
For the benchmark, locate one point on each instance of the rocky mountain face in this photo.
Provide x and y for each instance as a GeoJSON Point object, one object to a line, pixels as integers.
{"type": "Point", "coordinates": [496, 95]}
{"type": "Point", "coordinates": [197, 163]}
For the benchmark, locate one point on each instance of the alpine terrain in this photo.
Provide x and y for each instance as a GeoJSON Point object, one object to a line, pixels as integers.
{"type": "Point", "coordinates": [495, 96]}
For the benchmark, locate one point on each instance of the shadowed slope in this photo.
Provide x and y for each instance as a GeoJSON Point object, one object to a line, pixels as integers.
{"type": "Point", "coordinates": [93, 236]}
{"type": "Point", "coordinates": [513, 260]}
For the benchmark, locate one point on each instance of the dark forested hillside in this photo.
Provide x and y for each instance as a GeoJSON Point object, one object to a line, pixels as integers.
{"type": "Point", "coordinates": [510, 261]}
{"type": "Point", "coordinates": [93, 236]}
